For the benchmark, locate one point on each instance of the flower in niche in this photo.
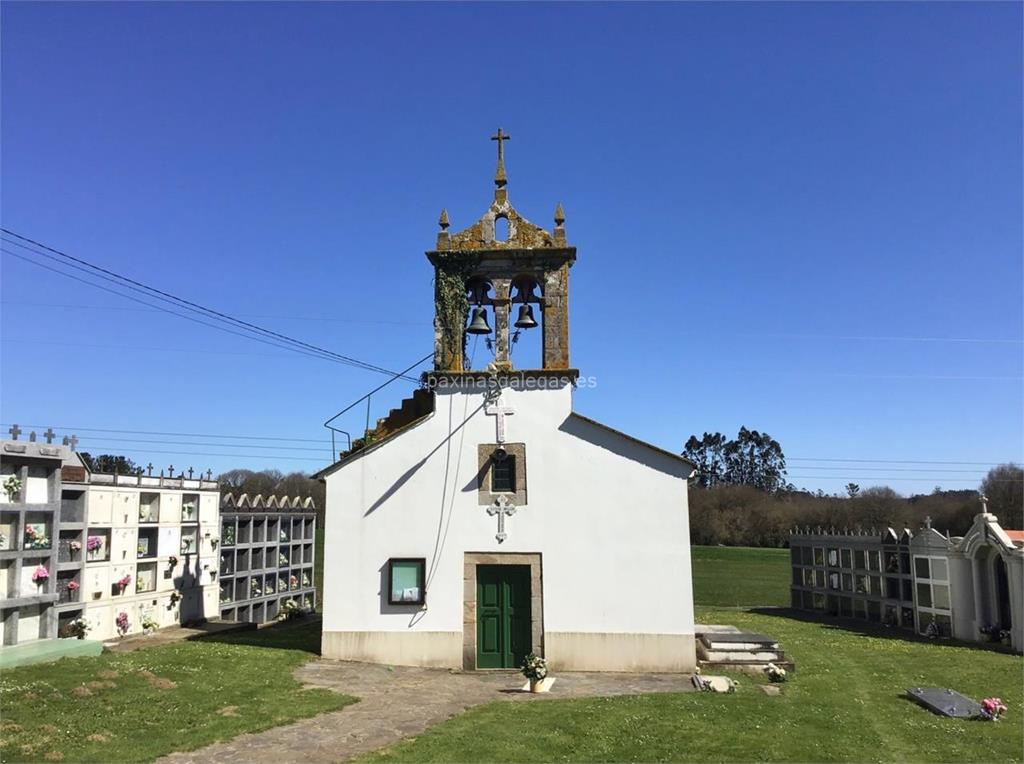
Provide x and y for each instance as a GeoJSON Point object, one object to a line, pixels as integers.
{"type": "Point", "coordinates": [40, 575]}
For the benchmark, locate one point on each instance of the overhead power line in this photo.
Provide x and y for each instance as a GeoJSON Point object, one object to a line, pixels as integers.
{"type": "Point", "coordinates": [274, 457]}
{"type": "Point", "coordinates": [253, 331]}
{"type": "Point", "coordinates": [172, 434]}
{"type": "Point", "coordinates": [332, 319]}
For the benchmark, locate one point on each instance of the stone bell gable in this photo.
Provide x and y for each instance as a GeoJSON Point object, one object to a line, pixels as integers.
{"type": "Point", "coordinates": [528, 267]}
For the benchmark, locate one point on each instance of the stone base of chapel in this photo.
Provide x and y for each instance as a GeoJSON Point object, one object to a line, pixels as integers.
{"type": "Point", "coordinates": [565, 650]}
{"type": "Point", "coordinates": [640, 653]}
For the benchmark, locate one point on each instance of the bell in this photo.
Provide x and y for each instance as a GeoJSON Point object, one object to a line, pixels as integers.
{"type": "Point", "coordinates": [525, 320]}
{"type": "Point", "coordinates": [479, 323]}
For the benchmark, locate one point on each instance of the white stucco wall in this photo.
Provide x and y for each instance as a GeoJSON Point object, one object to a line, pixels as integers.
{"type": "Point", "coordinates": [608, 515]}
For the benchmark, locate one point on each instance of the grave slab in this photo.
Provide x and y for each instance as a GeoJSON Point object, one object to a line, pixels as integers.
{"type": "Point", "coordinates": [945, 702]}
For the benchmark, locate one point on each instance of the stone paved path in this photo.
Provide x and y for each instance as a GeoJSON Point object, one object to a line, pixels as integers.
{"type": "Point", "coordinates": [401, 702]}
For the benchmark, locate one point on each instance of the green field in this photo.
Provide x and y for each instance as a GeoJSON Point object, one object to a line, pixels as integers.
{"type": "Point", "coordinates": [845, 702]}
{"type": "Point", "coordinates": [725, 576]}
{"type": "Point", "coordinates": [137, 706]}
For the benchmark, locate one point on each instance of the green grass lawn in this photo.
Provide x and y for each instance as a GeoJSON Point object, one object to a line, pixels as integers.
{"type": "Point", "coordinates": [727, 576]}
{"type": "Point", "coordinates": [137, 706]}
{"type": "Point", "coordinates": [845, 702]}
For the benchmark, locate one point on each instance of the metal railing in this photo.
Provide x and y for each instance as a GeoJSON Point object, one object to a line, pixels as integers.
{"type": "Point", "coordinates": [369, 399]}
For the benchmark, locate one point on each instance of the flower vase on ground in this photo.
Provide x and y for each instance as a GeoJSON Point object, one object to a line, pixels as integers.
{"type": "Point", "coordinates": [535, 669]}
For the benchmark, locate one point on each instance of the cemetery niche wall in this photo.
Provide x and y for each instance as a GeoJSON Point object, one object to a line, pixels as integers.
{"type": "Point", "coordinates": [266, 556]}
{"type": "Point", "coordinates": [150, 546]}
{"type": "Point", "coordinates": [970, 588]}
{"type": "Point", "coordinates": [41, 527]}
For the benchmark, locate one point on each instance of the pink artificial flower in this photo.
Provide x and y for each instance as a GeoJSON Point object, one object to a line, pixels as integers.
{"type": "Point", "coordinates": [40, 575]}
{"type": "Point", "coordinates": [123, 583]}
{"type": "Point", "coordinates": [73, 586]}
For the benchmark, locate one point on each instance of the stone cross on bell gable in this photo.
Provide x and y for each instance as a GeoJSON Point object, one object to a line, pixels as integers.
{"type": "Point", "coordinates": [502, 506]}
{"type": "Point", "coordinates": [499, 412]}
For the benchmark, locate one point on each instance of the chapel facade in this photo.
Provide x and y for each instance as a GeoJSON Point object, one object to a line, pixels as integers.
{"type": "Point", "coordinates": [484, 519]}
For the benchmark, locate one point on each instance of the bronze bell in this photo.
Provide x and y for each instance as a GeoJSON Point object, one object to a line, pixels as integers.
{"type": "Point", "coordinates": [525, 320]}
{"type": "Point", "coordinates": [479, 323]}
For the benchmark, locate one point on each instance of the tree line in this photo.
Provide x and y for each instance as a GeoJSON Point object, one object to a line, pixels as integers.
{"type": "Point", "coordinates": [741, 497]}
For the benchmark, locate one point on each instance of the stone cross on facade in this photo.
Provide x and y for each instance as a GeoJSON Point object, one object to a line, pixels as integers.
{"type": "Point", "coordinates": [15, 431]}
{"type": "Point", "coordinates": [499, 412]}
{"type": "Point", "coordinates": [149, 468]}
{"type": "Point", "coordinates": [190, 470]}
{"type": "Point", "coordinates": [502, 506]}
{"type": "Point", "coordinates": [209, 474]}
{"type": "Point", "coordinates": [49, 435]}
{"type": "Point", "coordinates": [170, 471]}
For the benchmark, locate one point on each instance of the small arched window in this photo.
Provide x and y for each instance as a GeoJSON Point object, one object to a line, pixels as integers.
{"type": "Point", "coordinates": [501, 229]}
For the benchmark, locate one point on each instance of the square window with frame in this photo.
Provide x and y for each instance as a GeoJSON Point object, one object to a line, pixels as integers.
{"type": "Point", "coordinates": [406, 580]}
{"type": "Point", "coordinates": [859, 560]}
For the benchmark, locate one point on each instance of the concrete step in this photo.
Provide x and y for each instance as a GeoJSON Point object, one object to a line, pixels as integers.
{"type": "Point", "coordinates": [719, 656]}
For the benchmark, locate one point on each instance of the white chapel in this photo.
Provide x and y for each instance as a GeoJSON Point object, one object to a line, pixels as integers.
{"type": "Point", "coordinates": [484, 519]}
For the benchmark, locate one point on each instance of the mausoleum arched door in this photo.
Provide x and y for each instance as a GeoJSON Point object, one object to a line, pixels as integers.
{"type": "Point", "coordinates": [1002, 593]}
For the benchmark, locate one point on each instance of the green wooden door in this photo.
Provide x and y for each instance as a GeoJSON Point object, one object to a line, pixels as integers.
{"type": "Point", "coordinates": [503, 622]}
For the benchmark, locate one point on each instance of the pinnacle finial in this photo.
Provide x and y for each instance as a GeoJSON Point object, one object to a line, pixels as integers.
{"type": "Point", "coordinates": [559, 215]}
{"type": "Point", "coordinates": [443, 220]}
{"type": "Point", "coordinates": [499, 174]}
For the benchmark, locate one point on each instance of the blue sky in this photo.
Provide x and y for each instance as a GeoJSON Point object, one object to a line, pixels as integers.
{"type": "Point", "coordinates": [802, 218]}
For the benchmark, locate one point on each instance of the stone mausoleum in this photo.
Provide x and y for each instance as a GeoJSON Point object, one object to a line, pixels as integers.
{"type": "Point", "coordinates": [968, 587]}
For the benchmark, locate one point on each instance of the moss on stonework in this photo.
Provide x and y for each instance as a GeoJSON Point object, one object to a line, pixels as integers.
{"type": "Point", "coordinates": [451, 303]}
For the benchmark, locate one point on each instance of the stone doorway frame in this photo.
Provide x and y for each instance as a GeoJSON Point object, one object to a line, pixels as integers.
{"type": "Point", "coordinates": [470, 561]}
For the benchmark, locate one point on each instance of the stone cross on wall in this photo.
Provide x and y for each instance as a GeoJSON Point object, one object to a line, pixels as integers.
{"type": "Point", "coordinates": [72, 441]}
{"type": "Point", "coordinates": [502, 506]}
{"type": "Point", "coordinates": [49, 434]}
{"type": "Point", "coordinates": [15, 431]}
{"type": "Point", "coordinates": [149, 468]}
{"type": "Point", "coordinates": [499, 412]}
